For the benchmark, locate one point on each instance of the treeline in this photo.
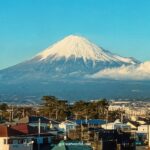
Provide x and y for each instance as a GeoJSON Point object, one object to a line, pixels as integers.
{"type": "Point", "coordinates": [60, 110]}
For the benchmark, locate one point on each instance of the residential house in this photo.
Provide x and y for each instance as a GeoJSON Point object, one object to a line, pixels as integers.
{"type": "Point", "coordinates": [45, 123]}
{"type": "Point", "coordinates": [91, 122]}
{"type": "Point", "coordinates": [117, 125]}
{"type": "Point", "coordinates": [143, 129]}
{"type": "Point", "coordinates": [12, 139]}
{"type": "Point", "coordinates": [23, 137]}
{"type": "Point", "coordinates": [133, 124]}
{"type": "Point", "coordinates": [67, 125]}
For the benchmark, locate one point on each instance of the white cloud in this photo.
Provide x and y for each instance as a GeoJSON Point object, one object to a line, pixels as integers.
{"type": "Point", "coordinates": [133, 72]}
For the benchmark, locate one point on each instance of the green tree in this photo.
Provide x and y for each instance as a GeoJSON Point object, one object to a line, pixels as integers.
{"type": "Point", "coordinates": [54, 108]}
{"type": "Point", "coordinates": [3, 107]}
{"type": "Point", "coordinates": [90, 110]}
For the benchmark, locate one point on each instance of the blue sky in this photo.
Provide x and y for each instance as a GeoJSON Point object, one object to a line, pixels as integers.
{"type": "Point", "coordinates": [29, 26]}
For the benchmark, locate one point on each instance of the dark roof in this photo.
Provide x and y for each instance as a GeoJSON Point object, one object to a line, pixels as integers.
{"type": "Point", "coordinates": [91, 122]}
{"type": "Point", "coordinates": [147, 120]}
{"type": "Point", "coordinates": [109, 135]}
{"type": "Point", "coordinates": [136, 124]}
{"type": "Point", "coordinates": [53, 121]}
{"type": "Point", "coordinates": [35, 119]}
{"type": "Point", "coordinates": [8, 131]}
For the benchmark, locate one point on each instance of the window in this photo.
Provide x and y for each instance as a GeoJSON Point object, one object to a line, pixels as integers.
{"type": "Point", "coordinates": [15, 141]}
{"type": "Point", "coordinates": [45, 140]}
{"type": "Point", "coordinates": [5, 141]}
{"type": "Point", "coordinates": [20, 141]}
{"type": "Point", "coordinates": [10, 141]}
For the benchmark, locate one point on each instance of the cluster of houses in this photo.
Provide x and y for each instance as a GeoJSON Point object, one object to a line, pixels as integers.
{"type": "Point", "coordinates": [25, 134]}
{"type": "Point", "coordinates": [33, 132]}
{"type": "Point", "coordinates": [130, 108]}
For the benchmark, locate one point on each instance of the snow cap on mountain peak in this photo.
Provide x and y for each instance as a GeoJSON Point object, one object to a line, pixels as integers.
{"type": "Point", "coordinates": [79, 47]}
{"type": "Point", "coordinates": [72, 46]}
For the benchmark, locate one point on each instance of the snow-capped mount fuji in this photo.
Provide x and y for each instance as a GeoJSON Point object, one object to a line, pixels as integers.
{"type": "Point", "coordinates": [62, 70]}
{"type": "Point", "coordinates": [78, 47]}
{"type": "Point", "coordinates": [73, 56]}
{"type": "Point", "coordinates": [77, 56]}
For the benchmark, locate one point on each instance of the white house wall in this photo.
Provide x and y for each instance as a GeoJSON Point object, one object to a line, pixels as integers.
{"type": "Point", "coordinates": [5, 146]}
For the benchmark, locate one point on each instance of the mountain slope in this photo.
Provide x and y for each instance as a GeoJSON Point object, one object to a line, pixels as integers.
{"type": "Point", "coordinates": [72, 57]}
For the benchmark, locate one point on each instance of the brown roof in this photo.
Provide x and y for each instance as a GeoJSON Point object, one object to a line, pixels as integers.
{"type": "Point", "coordinates": [25, 129]}
{"type": "Point", "coordinates": [19, 129]}
{"type": "Point", "coordinates": [8, 131]}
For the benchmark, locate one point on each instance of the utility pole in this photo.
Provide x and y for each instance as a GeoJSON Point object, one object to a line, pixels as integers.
{"type": "Point", "coordinates": [81, 130]}
{"type": "Point", "coordinates": [39, 127]}
{"type": "Point", "coordinates": [106, 118]}
{"type": "Point", "coordinates": [12, 115]}
{"type": "Point", "coordinates": [23, 113]}
{"type": "Point", "coordinates": [86, 119]}
{"type": "Point", "coordinates": [56, 112]}
{"type": "Point", "coordinates": [76, 116]}
{"type": "Point", "coordinates": [121, 117]}
{"type": "Point", "coordinates": [39, 132]}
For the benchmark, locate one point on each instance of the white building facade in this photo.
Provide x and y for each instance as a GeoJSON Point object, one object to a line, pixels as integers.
{"type": "Point", "coordinates": [15, 143]}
